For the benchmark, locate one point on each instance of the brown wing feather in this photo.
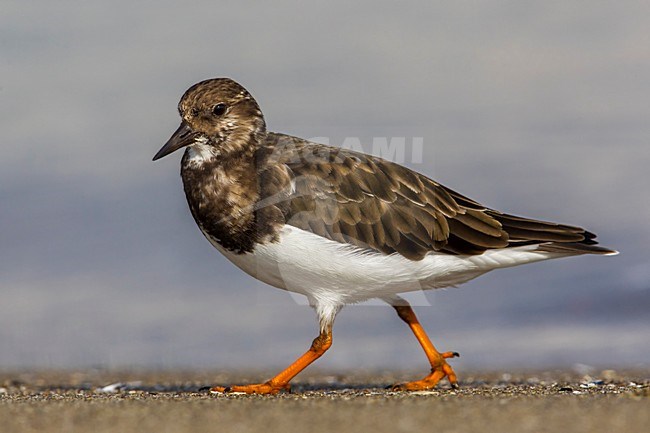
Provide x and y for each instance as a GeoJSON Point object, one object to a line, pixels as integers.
{"type": "Point", "coordinates": [350, 197]}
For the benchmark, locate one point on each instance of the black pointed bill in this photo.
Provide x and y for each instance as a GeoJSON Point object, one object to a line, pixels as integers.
{"type": "Point", "coordinates": [184, 136]}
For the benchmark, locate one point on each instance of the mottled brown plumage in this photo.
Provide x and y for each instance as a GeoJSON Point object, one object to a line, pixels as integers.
{"type": "Point", "coordinates": [259, 181]}
{"type": "Point", "coordinates": [351, 197]}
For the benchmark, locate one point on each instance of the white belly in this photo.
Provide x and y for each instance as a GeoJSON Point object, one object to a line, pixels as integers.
{"type": "Point", "coordinates": [330, 272]}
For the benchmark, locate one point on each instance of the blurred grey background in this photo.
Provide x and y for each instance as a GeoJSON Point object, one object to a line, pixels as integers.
{"type": "Point", "coordinates": [535, 108]}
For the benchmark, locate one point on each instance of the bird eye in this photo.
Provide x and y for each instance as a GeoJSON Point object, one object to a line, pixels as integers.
{"type": "Point", "coordinates": [219, 109]}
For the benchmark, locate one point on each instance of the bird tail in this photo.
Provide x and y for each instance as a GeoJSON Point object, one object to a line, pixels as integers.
{"type": "Point", "coordinates": [551, 237]}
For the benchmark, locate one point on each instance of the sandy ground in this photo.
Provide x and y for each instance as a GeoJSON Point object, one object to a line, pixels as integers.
{"type": "Point", "coordinates": [178, 401]}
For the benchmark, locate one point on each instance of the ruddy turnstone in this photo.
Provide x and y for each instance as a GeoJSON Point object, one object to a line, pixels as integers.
{"type": "Point", "coordinates": [339, 226]}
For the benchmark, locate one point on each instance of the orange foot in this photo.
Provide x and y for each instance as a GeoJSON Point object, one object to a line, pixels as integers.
{"type": "Point", "coordinates": [258, 388]}
{"type": "Point", "coordinates": [439, 370]}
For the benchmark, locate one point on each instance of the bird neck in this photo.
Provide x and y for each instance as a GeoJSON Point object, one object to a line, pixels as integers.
{"type": "Point", "coordinates": [221, 190]}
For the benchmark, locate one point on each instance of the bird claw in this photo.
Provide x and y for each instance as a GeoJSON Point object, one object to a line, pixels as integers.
{"type": "Point", "coordinates": [438, 372]}
{"type": "Point", "coordinates": [258, 388]}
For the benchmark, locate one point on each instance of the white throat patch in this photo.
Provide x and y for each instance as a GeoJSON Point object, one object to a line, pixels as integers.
{"type": "Point", "coordinates": [200, 152]}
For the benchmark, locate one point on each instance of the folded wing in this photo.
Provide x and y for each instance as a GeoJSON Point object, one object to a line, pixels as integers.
{"type": "Point", "coordinates": [376, 204]}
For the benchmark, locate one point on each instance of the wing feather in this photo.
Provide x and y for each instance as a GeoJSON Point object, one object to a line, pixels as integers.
{"type": "Point", "coordinates": [373, 203]}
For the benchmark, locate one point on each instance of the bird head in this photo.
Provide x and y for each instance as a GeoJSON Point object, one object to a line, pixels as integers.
{"type": "Point", "coordinates": [218, 115]}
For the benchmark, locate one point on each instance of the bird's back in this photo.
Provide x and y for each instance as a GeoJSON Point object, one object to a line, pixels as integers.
{"type": "Point", "coordinates": [351, 197]}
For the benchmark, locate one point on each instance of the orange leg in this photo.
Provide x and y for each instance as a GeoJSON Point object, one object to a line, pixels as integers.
{"type": "Point", "coordinates": [439, 366]}
{"type": "Point", "coordinates": [281, 381]}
